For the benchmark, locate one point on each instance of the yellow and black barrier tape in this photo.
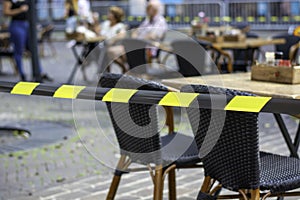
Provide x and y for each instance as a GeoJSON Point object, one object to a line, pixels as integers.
{"type": "Point", "coordinates": [177, 99]}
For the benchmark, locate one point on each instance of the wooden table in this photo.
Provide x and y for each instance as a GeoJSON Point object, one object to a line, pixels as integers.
{"type": "Point", "coordinates": [4, 35]}
{"type": "Point", "coordinates": [88, 44]}
{"type": "Point", "coordinates": [243, 82]}
{"type": "Point", "coordinates": [248, 43]}
{"type": "Point", "coordinates": [240, 81]}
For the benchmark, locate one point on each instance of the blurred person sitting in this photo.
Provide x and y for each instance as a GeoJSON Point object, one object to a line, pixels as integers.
{"type": "Point", "coordinates": [84, 28]}
{"type": "Point", "coordinates": [71, 15]}
{"type": "Point", "coordinates": [84, 11]}
{"type": "Point", "coordinates": [19, 32]}
{"type": "Point", "coordinates": [95, 26]}
{"type": "Point", "coordinates": [154, 27]}
{"type": "Point", "coordinates": [114, 30]}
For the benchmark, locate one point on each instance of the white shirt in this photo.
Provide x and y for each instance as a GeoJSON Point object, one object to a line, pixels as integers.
{"type": "Point", "coordinates": [156, 28]}
{"type": "Point", "coordinates": [111, 31]}
{"type": "Point", "coordinates": [84, 10]}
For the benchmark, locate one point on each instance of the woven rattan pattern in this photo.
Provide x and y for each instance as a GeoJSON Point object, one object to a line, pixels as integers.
{"type": "Point", "coordinates": [140, 140]}
{"type": "Point", "coordinates": [279, 173]}
{"type": "Point", "coordinates": [143, 143]}
{"type": "Point", "coordinates": [234, 160]}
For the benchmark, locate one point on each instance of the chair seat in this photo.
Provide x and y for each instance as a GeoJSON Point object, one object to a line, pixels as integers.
{"type": "Point", "coordinates": [179, 149]}
{"type": "Point", "coordinates": [279, 173]}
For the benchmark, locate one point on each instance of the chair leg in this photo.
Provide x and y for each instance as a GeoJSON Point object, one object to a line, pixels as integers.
{"type": "Point", "coordinates": [108, 69]}
{"type": "Point", "coordinates": [53, 50]}
{"type": "Point", "coordinates": [148, 56]}
{"type": "Point", "coordinates": [41, 48]}
{"type": "Point", "coordinates": [243, 194]}
{"type": "Point", "coordinates": [206, 184]}
{"type": "Point", "coordinates": [122, 165]}
{"type": "Point", "coordinates": [83, 66]}
{"type": "Point", "coordinates": [158, 184]}
{"type": "Point", "coordinates": [255, 195]}
{"type": "Point", "coordinates": [121, 64]}
{"type": "Point", "coordinates": [172, 184]}
{"type": "Point", "coordinates": [113, 187]}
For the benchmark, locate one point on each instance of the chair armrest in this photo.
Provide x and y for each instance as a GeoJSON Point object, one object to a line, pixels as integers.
{"type": "Point", "coordinates": [293, 51]}
{"type": "Point", "coordinates": [226, 55]}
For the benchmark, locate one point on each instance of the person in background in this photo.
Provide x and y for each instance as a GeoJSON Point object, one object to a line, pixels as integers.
{"type": "Point", "coordinates": [95, 26]}
{"type": "Point", "coordinates": [84, 11]}
{"type": "Point", "coordinates": [154, 26]}
{"type": "Point", "coordinates": [19, 32]}
{"type": "Point", "coordinates": [113, 30]}
{"type": "Point", "coordinates": [71, 15]}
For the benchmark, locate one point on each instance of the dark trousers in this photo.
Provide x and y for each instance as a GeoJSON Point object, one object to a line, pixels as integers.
{"type": "Point", "coordinates": [19, 34]}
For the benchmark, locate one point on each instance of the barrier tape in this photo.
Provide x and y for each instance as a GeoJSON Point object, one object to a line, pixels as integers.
{"type": "Point", "coordinates": [177, 99]}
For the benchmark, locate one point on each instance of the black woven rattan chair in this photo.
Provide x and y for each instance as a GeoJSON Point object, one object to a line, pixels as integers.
{"type": "Point", "coordinates": [135, 52]}
{"type": "Point", "coordinates": [293, 53]}
{"type": "Point", "coordinates": [290, 40]}
{"type": "Point", "coordinates": [244, 57]}
{"type": "Point", "coordinates": [192, 57]}
{"type": "Point", "coordinates": [45, 38]}
{"type": "Point", "coordinates": [234, 160]}
{"type": "Point", "coordinates": [6, 50]}
{"type": "Point", "coordinates": [139, 139]}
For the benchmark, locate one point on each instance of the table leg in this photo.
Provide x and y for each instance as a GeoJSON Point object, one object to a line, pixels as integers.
{"type": "Point", "coordinates": [77, 64]}
{"type": "Point", "coordinates": [287, 137]}
{"type": "Point", "coordinates": [103, 60]}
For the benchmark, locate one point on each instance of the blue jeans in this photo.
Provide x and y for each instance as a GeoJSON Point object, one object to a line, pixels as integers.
{"type": "Point", "coordinates": [19, 34]}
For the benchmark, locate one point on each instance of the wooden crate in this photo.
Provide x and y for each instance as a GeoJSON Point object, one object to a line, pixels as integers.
{"type": "Point", "coordinates": [234, 38]}
{"type": "Point", "coordinates": [279, 74]}
{"type": "Point", "coordinates": [211, 39]}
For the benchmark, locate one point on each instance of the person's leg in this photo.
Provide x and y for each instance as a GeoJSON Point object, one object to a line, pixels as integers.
{"type": "Point", "coordinates": [44, 76]}
{"type": "Point", "coordinates": [18, 37]}
{"type": "Point", "coordinates": [116, 54]}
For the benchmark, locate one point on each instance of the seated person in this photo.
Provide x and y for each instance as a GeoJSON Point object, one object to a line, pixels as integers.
{"type": "Point", "coordinates": [154, 27]}
{"type": "Point", "coordinates": [95, 26]}
{"type": "Point", "coordinates": [83, 27]}
{"type": "Point", "coordinates": [114, 30]}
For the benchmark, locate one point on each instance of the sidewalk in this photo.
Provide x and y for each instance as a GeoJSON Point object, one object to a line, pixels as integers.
{"type": "Point", "coordinates": [80, 166]}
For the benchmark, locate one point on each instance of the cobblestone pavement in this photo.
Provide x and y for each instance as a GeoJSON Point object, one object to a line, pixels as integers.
{"type": "Point", "coordinates": [80, 166]}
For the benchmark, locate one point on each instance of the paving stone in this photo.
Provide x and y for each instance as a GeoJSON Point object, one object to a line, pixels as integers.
{"type": "Point", "coordinates": [49, 192]}
{"type": "Point", "coordinates": [187, 189]}
{"type": "Point", "coordinates": [93, 189]}
{"type": "Point", "coordinates": [94, 197]}
{"type": "Point", "coordinates": [186, 198]}
{"type": "Point", "coordinates": [67, 195]}
{"type": "Point", "coordinates": [127, 197]}
{"type": "Point", "coordinates": [146, 191]}
{"type": "Point", "coordinates": [95, 180]}
{"type": "Point", "coordinates": [127, 185]}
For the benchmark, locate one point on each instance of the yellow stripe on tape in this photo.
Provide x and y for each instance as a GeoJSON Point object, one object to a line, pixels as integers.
{"type": "Point", "coordinates": [119, 95]}
{"type": "Point", "coordinates": [24, 88]}
{"type": "Point", "coordinates": [177, 99]}
{"type": "Point", "coordinates": [247, 103]}
{"type": "Point", "coordinates": [68, 91]}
